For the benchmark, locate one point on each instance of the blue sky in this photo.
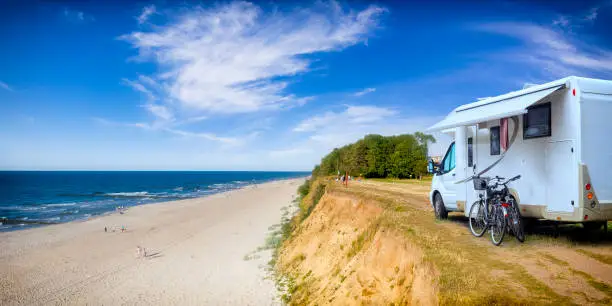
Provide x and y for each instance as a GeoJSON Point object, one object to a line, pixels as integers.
{"type": "Point", "coordinates": [263, 85]}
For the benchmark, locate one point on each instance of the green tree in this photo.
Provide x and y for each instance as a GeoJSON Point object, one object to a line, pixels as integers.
{"type": "Point", "coordinates": [399, 156]}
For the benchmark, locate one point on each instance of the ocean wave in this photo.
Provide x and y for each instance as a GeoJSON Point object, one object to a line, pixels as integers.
{"type": "Point", "coordinates": [60, 204]}
{"type": "Point", "coordinates": [178, 189]}
{"type": "Point", "coordinates": [22, 222]}
{"type": "Point", "coordinates": [69, 212]}
{"type": "Point", "coordinates": [221, 186]}
{"type": "Point", "coordinates": [21, 208]}
{"type": "Point", "coordinates": [127, 194]}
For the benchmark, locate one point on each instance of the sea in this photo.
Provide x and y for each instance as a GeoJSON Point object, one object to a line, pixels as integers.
{"type": "Point", "coordinates": [37, 198]}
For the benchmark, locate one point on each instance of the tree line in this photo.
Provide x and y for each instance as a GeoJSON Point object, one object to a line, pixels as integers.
{"type": "Point", "coordinates": [377, 156]}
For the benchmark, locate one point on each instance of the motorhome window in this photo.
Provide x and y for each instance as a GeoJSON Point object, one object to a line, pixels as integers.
{"type": "Point", "coordinates": [495, 145]}
{"type": "Point", "coordinates": [448, 163]}
{"type": "Point", "coordinates": [470, 152]}
{"type": "Point", "coordinates": [536, 122]}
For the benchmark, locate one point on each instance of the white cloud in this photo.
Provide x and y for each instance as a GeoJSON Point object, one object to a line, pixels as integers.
{"type": "Point", "coordinates": [141, 87]}
{"type": "Point", "coordinates": [147, 11]}
{"type": "Point", "coordinates": [592, 15]}
{"type": "Point", "coordinates": [236, 58]}
{"type": "Point", "coordinates": [194, 119]}
{"type": "Point", "coordinates": [5, 86]}
{"type": "Point", "coordinates": [335, 129]}
{"type": "Point", "coordinates": [570, 23]}
{"type": "Point", "coordinates": [562, 21]}
{"type": "Point", "coordinates": [555, 52]}
{"type": "Point", "coordinates": [364, 92]}
{"type": "Point", "coordinates": [208, 136]}
{"type": "Point", "coordinates": [161, 112]}
{"type": "Point", "coordinates": [350, 116]}
{"type": "Point", "coordinates": [187, 134]}
{"type": "Point", "coordinates": [77, 16]}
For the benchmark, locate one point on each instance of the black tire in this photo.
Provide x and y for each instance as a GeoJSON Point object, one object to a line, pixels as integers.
{"type": "Point", "coordinates": [439, 208]}
{"type": "Point", "coordinates": [498, 226]}
{"type": "Point", "coordinates": [518, 228]}
{"type": "Point", "coordinates": [478, 224]}
{"type": "Point", "coordinates": [592, 226]}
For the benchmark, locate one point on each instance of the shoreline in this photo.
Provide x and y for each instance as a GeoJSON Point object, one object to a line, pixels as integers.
{"type": "Point", "coordinates": [41, 224]}
{"type": "Point", "coordinates": [195, 253]}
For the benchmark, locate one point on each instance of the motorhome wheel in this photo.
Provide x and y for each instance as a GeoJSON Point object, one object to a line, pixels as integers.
{"type": "Point", "coordinates": [440, 210]}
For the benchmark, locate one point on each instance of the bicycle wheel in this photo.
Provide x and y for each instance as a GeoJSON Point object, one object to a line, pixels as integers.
{"type": "Point", "coordinates": [498, 226]}
{"type": "Point", "coordinates": [517, 226]}
{"type": "Point", "coordinates": [478, 224]}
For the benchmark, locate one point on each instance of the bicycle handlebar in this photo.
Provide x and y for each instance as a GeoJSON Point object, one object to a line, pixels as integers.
{"type": "Point", "coordinates": [514, 178]}
{"type": "Point", "coordinates": [508, 181]}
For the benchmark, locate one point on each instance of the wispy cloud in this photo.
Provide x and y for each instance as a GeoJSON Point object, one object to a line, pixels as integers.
{"type": "Point", "coordinates": [554, 51]}
{"type": "Point", "coordinates": [77, 16]}
{"type": "Point", "coordinates": [592, 15]}
{"type": "Point", "coordinates": [364, 92]}
{"type": "Point", "coordinates": [183, 133]}
{"type": "Point", "coordinates": [140, 87]}
{"type": "Point", "coordinates": [161, 112]}
{"type": "Point", "coordinates": [582, 19]}
{"type": "Point", "coordinates": [147, 11]}
{"type": "Point", "coordinates": [5, 86]}
{"type": "Point", "coordinates": [334, 129]}
{"type": "Point", "coordinates": [236, 58]}
{"type": "Point", "coordinates": [208, 136]}
{"type": "Point", "coordinates": [350, 116]}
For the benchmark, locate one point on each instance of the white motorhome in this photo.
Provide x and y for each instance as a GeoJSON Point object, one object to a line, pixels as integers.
{"type": "Point", "coordinates": [557, 136]}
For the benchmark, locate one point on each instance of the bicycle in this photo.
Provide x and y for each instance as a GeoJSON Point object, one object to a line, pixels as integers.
{"type": "Point", "coordinates": [493, 215]}
{"type": "Point", "coordinates": [511, 210]}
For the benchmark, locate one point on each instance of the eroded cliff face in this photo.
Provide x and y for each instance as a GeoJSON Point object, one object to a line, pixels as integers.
{"type": "Point", "coordinates": [343, 253]}
{"type": "Point", "coordinates": [378, 243]}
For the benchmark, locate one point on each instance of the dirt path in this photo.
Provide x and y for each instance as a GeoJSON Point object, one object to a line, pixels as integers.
{"type": "Point", "coordinates": [572, 263]}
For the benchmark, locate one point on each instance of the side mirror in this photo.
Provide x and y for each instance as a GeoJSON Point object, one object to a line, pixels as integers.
{"type": "Point", "coordinates": [432, 167]}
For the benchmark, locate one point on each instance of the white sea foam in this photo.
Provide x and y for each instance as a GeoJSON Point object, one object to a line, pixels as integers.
{"type": "Point", "coordinates": [61, 204]}
{"type": "Point", "coordinates": [128, 194]}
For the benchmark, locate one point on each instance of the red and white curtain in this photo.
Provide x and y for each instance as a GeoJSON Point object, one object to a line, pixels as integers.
{"type": "Point", "coordinates": [503, 131]}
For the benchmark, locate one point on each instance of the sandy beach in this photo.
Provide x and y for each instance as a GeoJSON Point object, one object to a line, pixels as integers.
{"type": "Point", "coordinates": [195, 254]}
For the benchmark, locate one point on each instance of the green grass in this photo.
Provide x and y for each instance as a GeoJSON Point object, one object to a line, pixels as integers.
{"type": "Point", "coordinates": [306, 210]}
{"type": "Point", "coordinates": [555, 259]}
{"type": "Point", "coordinates": [426, 180]}
{"type": "Point", "coordinates": [603, 287]}
{"type": "Point", "coordinates": [364, 238]}
{"type": "Point", "coordinates": [599, 257]}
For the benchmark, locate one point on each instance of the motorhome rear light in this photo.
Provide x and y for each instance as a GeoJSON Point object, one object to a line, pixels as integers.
{"type": "Point", "coordinates": [590, 195]}
{"type": "Point", "coordinates": [505, 204]}
{"type": "Point", "coordinates": [586, 217]}
{"type": "Point", "coordinates": [574, 91]}
{"type": "Point", "coordinates": [587, 186]}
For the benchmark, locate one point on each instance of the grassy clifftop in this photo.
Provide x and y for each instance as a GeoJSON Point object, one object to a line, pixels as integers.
{"type": "Point", "coordinates": [377, 243]}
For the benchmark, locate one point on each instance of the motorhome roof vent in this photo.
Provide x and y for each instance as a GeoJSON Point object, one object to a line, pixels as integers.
{"type": "Point", "coordinates": [527, 85]}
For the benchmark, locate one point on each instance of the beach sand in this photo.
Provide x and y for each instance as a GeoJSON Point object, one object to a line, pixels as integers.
{"type": "Point", "coordinates": [195, 254]}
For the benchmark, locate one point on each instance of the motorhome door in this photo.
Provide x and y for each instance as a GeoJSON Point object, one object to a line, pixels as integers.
{"type": "Point", "coordinates": [561, 187]}
{"type": "Point", "coordinates": [447, 178]}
